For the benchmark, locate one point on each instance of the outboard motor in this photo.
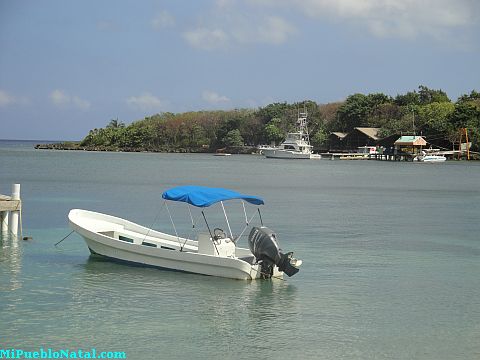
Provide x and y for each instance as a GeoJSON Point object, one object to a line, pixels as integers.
{"type": "Point", "coordinates": [263, 244]}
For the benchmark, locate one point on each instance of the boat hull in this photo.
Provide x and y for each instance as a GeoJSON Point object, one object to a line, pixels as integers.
{"type": "Point", "coordinates": [434, 158]}
{"type": "Point", "coordinates": [101, 234]}
{"type": "Point", "coordinates": [431, 158]}
{"type": "Point", "coordinates": [285, 154]}
{"type": "Point", "coordinates": [174, 260]}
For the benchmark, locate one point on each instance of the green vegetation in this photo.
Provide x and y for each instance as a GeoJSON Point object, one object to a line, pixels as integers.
{"type": "Point", "coordinates": [426, 111]}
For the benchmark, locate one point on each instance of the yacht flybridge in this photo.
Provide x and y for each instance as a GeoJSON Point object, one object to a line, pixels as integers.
{"type": "Point", "coordinates": [212, 253]}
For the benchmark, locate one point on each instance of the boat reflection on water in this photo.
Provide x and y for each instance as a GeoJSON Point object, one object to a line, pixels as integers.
{"type": "Point", "coordinates": [219, 306]}
{"type": "Point", "coordinates": [10, 263]}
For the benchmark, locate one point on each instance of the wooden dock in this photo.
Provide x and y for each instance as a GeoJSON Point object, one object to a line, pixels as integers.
{"type": "Point", "coordinates": [344, 156]}
{"type": "Point", "coordinates": [8, 204]}
{"type": "Point", "coordinates": [400, 156]}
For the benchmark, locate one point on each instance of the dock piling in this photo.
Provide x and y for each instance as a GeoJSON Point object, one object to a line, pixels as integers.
{"type": "Point", "coordinates": [4, 220]}
{"type": "Point", "coordinates": [15, 215]}
{"type": "Point", "coordinates": [10, 208]}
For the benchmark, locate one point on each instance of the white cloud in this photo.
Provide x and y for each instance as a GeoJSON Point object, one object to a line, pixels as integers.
{"type": "Point", "coordinates": [230, 23]}
{"type": "Point", "coordinates": [206, 39]}
{"type": "Point", "coordinates": [7, 99]}
{"type": "Point", "coordinates": [80, 103]}
{"type": "Point", "coordinates": [62, 99]}
{"type": "Point", "coordinates": [254, 103]}
{"type": "Point", "coordinates": [59, 98]}
{"type": "Point", "coordinates": [223, 4]}
{"type": "Point", "coordinates": [276, 30]}
{"type": "Point", "coordinates": [272, 30]}
{"type": "Point", "coordinates": [213, 98]}
{"type": "Point", "coordinates": [146, 102]}
{"type": "Point", "coordinates": [389, 18]}
{"type": "Point", "coordinates": [163, 20]}
{"type": "Point", "coordinates": [234, 29]}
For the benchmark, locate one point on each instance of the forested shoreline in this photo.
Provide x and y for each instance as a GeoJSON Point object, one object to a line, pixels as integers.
{"type": "Point", "coordinates": [425, 111]}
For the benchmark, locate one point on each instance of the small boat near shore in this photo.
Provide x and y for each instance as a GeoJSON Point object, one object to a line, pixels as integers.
{"type": "Point", "coordinates": [212, 253]}
{"type": "Point", "coordinates": [430, 157]}
{"type": "Point", "coordinates": [221, 152]}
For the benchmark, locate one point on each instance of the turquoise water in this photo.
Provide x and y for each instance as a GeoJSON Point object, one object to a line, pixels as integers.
{"type": "Point", "coordinates": [391, 257]}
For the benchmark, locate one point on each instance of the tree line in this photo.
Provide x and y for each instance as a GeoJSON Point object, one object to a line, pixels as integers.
{"type": "Point", "coordinates": [425, 111]}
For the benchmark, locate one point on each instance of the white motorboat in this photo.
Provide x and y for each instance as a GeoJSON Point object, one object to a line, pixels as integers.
{"type": "Point", "coordinates": [433, 158]}
{"type": "Point", "coordinates": [430, 157]}
{"type": "Point", "coordinates": [212, 253]}
{"type": "Point", "coordinates": [296, 145]}
{"type": "Point", "coordinates": [222, 152]}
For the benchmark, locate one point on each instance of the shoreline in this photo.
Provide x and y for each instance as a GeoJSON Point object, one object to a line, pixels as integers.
{"type": "Point", "coordinates": [67, 146]}
{"type": "Point", "coordinates": [238, 150]}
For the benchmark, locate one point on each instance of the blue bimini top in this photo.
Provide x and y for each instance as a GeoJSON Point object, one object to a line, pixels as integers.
{"type": "Point", "coordinates": [202, 196]}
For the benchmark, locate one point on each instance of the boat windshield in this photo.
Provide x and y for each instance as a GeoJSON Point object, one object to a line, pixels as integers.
{"type": "Point", "coordinates": [202, 196]}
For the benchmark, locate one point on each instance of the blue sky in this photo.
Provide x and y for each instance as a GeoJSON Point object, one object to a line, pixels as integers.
{"type": "Point", "coordinates": [70, 66]}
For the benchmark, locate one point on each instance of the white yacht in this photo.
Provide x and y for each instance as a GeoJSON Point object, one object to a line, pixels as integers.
{"type": "Point", "coordinates": [296, 145]}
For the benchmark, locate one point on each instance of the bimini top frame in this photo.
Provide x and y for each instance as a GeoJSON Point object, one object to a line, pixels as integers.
{"type": "Point", "coordinates": [202, 196]}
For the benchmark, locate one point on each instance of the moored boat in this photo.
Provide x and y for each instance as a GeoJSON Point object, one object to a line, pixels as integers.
{"type": "Point", "coordinates": [430, 157]}
{"type": "Point", "coordinates": [212, 253]}
{"type": "Point", "coordinates": [296, 145]}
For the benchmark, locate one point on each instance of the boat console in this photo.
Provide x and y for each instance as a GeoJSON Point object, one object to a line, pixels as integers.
{"type": "Point", "coordinates": [223, 247]}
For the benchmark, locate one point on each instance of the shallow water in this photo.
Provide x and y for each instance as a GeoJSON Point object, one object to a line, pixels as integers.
{"type": "Point", "coordinates": [391, 257]}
